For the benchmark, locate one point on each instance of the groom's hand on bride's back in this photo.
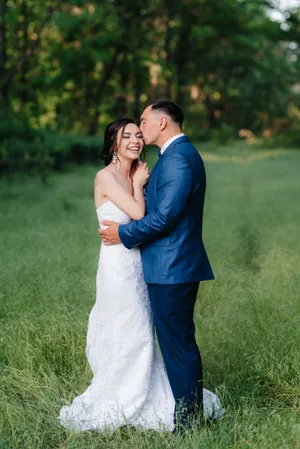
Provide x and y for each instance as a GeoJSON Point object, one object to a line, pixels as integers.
{"type": "Point", "coordinates": [110, 236]}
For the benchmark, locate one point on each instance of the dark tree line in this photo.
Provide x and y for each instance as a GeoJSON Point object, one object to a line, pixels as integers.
{"type": "Point", "coordinates": [72, 66]}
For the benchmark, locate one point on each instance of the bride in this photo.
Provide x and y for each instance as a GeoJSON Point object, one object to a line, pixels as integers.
{"type": "Point", "coordinates": [130, 384]}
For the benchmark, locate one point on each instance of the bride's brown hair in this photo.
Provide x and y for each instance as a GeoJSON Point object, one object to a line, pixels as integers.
{"type": "Point", "coordinates": [110, 139]}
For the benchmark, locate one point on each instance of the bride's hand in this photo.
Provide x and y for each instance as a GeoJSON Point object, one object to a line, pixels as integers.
{"type": "Point", "coordinates": [141, 175]}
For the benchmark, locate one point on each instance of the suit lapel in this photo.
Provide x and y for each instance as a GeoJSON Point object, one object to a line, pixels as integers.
{"type": "Point", "coordinates": [151, 186]}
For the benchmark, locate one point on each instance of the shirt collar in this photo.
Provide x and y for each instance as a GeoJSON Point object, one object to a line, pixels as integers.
{"type": "Point", "coordinates": [168, 142]}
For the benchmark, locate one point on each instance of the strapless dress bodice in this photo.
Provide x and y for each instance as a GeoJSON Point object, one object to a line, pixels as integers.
{"type": "Point", "coordinates": [116, 255]}
{"type": "Point", "coordinates": [109, 211]}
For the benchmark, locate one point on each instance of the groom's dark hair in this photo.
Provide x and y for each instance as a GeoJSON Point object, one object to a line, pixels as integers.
{"type": "Point", "coordinates": [170, 108]}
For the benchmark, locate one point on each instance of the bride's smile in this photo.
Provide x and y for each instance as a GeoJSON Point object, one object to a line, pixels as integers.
{"type": "Point", "coordinates": [129, 143]}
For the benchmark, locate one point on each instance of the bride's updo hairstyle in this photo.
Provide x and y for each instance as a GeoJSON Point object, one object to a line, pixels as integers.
{"type": "Point", "coordinates": [110, 138]}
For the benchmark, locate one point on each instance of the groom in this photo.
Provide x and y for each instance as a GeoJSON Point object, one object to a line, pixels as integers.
{"type": "Point", "coordinates": [173, 253]}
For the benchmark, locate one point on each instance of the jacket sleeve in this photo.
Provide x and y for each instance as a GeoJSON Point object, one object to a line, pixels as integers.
{"type": "Point", "coordinates": [174, 187]}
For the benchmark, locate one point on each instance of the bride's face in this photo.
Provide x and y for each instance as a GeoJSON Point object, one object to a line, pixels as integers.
{"type": "Point", "coordinates": [129, 142]}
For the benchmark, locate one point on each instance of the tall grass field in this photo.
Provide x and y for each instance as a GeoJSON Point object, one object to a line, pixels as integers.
{"type": "Point", "coordinates": [248, 319]}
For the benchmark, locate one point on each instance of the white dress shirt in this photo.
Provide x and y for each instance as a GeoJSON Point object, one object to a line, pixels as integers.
{"type": "Point", "coordinates": [168, 142]}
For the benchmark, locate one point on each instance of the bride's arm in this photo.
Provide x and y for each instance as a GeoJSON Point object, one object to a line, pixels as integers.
{"type": "Point", "coordinates": [138, 194]}
{"type": "Point", "coordinates": [134, 206]}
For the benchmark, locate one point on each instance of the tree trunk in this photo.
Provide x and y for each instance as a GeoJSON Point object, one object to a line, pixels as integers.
{"type": "Point", "coordinates": [169, 56]}
{"type": "Point", "coordinates": [107, 73]}
{"type": "Point", "coordinates": [3, 87]}
{"type": "Point", "coordinates": [137, 93]}
{"type": "Point", "coordinates": [7, 80]}
{"type": "Point", "coordinates": [210, 112]}
{"type": "Point", "coordinates": [181, 52]}
{"type": "Point", "coordinates": [181, 59]}
{"type": "Point", "coordinates": [137, 68]}
{"type": "Point", "coordinates": [23, 92]}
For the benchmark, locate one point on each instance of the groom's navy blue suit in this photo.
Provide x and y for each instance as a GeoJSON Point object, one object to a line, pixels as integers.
{"type": "Point", "coordinates": [174, 261]}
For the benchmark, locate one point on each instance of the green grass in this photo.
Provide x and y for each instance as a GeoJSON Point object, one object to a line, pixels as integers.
{"type": "Point", "coordinates": [248, 319]}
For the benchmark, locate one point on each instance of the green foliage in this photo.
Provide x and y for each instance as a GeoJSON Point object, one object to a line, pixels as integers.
{"type": "Point", "coordinates": [66, 65]}
{"type": "Point", "coordinates": [69, 68]}
{"type": "Point", "coordinates": [286, 132]}
{"type": "Point", "coordinates": [224, 134]}
{"type": "Point", "coordinates": [21, 147]}
{"type": "Point", "coordinates": [24, 149]}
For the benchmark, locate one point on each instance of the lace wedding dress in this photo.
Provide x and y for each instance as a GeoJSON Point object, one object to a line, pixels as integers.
{"type": "Point", "coordinates": [130, 384]}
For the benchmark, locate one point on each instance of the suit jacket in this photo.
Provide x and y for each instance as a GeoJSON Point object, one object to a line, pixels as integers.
{"type": "Point", "coordinates": [170, 234]}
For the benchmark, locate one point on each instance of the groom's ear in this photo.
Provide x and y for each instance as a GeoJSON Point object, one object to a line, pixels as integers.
{"type": "Point", "coordinates": [163, 123]}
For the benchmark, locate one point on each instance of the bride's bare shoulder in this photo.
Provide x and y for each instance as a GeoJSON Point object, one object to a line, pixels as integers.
{"type": "Point", "coordinates": [105, 174]}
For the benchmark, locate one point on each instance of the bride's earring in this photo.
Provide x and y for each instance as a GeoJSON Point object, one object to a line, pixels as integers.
{"type": "Point", "coordinates": [114, 158]}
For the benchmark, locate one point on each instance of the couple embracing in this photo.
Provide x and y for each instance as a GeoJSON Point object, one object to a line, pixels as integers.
{"type": "Point", "coordinates": [151, 263]}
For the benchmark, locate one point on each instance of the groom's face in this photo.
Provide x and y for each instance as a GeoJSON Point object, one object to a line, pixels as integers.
{"type": "Point", "coordinates": [150, 126]}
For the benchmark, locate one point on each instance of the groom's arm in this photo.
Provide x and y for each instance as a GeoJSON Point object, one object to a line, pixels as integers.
{"type": "Point", "coordinates": [173, 190]}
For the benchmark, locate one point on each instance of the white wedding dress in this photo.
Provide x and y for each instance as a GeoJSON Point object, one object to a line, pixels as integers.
{"type": "Point", "coordinates": [130, 384]}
